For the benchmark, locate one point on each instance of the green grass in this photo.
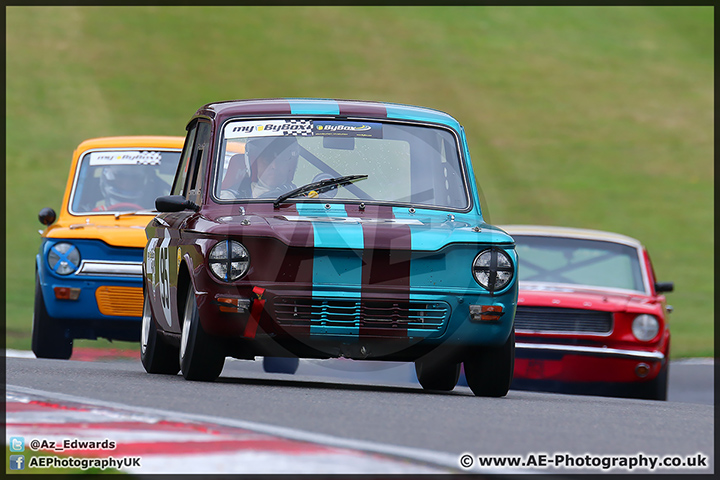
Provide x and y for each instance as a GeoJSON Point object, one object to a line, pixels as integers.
{"type": "Point", "coordinates": [596, 117]}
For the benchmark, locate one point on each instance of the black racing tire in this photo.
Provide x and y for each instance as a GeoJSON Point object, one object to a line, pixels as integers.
{"type": "Point", "coordinates": [50, 338]}
{"type": "Point", "coordinates": [657, 388]}
{"type": "Point", "coordinates": [281, 364]}
{"type": "Point", "coordinates": [489, 370]}
{"type": "Point", "coordinates": [157, 356]}
{"type": "Point", "coordinates": [437, 374]}
{"type": "Point", "coordinates": [201, 356]}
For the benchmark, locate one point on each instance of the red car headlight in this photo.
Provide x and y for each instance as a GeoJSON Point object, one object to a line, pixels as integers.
{"type": "Point", "coordinates": [645, 327]}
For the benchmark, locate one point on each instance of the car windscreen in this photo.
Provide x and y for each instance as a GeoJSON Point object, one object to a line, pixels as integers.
{"type": "Point", "coordinates": [405, 164]}
{"type": "Point", "coordinates": [578, 261]}
{"type": "Point", "coordinates": [122, 180]}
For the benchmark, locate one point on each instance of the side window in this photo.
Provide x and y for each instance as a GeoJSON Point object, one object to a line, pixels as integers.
{"type": "Point", "coordinates": [198, 164]}
{"type": "Point", "coordinates": [184, 165]}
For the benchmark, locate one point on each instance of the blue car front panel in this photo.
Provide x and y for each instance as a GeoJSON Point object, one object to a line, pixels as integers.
{"type": "Point", "coordinates": [93, 252]}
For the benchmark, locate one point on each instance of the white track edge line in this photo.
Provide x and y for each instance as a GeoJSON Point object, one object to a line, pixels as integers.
{"type": "Point", "coordinates": [425, 456]}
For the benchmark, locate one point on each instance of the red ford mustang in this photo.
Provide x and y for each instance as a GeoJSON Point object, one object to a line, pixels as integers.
{"type": "Point", "coordinates": [591, 317]}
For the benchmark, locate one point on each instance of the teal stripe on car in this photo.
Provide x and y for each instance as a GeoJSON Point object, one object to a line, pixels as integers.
{"type": "Point", "coordinates": [402, 112]}
{"type": "Point", "coordinates": [449, 272]}
{"type": "Point", "coordinates": [306, 107]}
{"type": "Point", "coordinates": [337, 262]}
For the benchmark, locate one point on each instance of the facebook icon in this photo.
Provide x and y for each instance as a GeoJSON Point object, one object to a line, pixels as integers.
{"type": "Point", "coordinates": [17, 462]}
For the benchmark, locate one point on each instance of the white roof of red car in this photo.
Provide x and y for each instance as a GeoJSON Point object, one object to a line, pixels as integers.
{"type": "Point", "coordinates": [549, 231]}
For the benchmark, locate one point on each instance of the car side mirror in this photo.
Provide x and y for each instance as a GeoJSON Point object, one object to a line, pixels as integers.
{"type": "Point", "coordinates": [664, 287]}
{"type": "Point", "coordinates": [47, 216]}
{"type": "Point", "coordinates": [174, 203]}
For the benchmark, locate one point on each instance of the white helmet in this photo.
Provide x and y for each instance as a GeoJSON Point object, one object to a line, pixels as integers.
{"type": "Point", "coordinates": [123, 184]}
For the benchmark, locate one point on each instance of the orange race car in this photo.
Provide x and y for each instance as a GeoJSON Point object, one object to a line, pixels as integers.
{"type": "Point", "coordinates": [89, 266]}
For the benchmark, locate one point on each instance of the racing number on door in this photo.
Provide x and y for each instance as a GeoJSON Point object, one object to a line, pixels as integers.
{"type": "Point", "coordinates": [163, 277]}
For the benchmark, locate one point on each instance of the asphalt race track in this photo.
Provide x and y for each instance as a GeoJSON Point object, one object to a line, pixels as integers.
{"type": "Point", "coordinates": [380, 408]}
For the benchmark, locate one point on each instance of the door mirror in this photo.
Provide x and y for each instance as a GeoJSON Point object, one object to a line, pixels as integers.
{"type": "Point", "coordinates": [174, 203]}
{"type": "Point", "coordinates": [47, 216]}
{"type": "Point", "coordinates": [664, 287]}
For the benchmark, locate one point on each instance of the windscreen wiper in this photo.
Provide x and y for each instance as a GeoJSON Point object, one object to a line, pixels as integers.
{"type": "Point", "coordinates": [319, 187]}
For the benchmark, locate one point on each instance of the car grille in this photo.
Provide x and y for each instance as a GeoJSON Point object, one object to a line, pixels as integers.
{"type": "Point", "coordinates": [375, 314]}
{"type": "Point", "coordinates": [549, 319]}
{"type": "Point", "coordinates": [120, 301]}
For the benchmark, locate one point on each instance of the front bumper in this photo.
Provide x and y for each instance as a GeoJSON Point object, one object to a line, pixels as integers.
{"type": "Point", "coordinates": [355, 318]}
{"type": "Point", "coordinates": [582, 363]}
{"type": "Point", "coordinates": [100, 290]}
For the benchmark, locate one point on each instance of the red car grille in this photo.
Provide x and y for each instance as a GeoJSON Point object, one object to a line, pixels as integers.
{"type": "Point", "coordinates": [569, 320]}
{"type": "Point", "coordinates": [291, 311]}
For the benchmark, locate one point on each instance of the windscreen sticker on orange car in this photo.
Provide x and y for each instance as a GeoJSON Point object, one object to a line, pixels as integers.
{"type": "Point", "coordinates": [128, 157]}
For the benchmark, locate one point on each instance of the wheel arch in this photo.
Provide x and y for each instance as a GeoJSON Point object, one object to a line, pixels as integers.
{"type": "Point", "coordinates": [184, 282]}
{"type": "Point", "coordinates": [39, 268]}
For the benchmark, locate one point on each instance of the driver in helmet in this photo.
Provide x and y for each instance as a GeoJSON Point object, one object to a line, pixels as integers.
{"type": "Point", "coordinates": [126, 187]}
{"type": "Point", "coordinates": [270, 164]}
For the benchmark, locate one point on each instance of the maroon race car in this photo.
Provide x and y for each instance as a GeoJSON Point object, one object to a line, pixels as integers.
{"type": "Point", "coordinates": [316, 228]}
{"type": "Point", "coordinates": [591, 317]}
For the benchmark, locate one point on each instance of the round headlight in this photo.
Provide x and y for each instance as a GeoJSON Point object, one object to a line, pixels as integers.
{"type": "Point", "coordinates": [63, 258]}
{"type": "Point", "coordinates": [229, 260]}
{"type": "Point", "coordinates": [645, 327]}
{"type": "Point", "coordinates": [493, 269]}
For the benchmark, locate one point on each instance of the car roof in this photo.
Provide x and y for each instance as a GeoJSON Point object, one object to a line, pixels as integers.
{"type": "Point", "coordinates": [321, 106]}
{"type": "Point", "coordinates": [133, 141]}
{"type": "Point", "coordinates": [552, 231]}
